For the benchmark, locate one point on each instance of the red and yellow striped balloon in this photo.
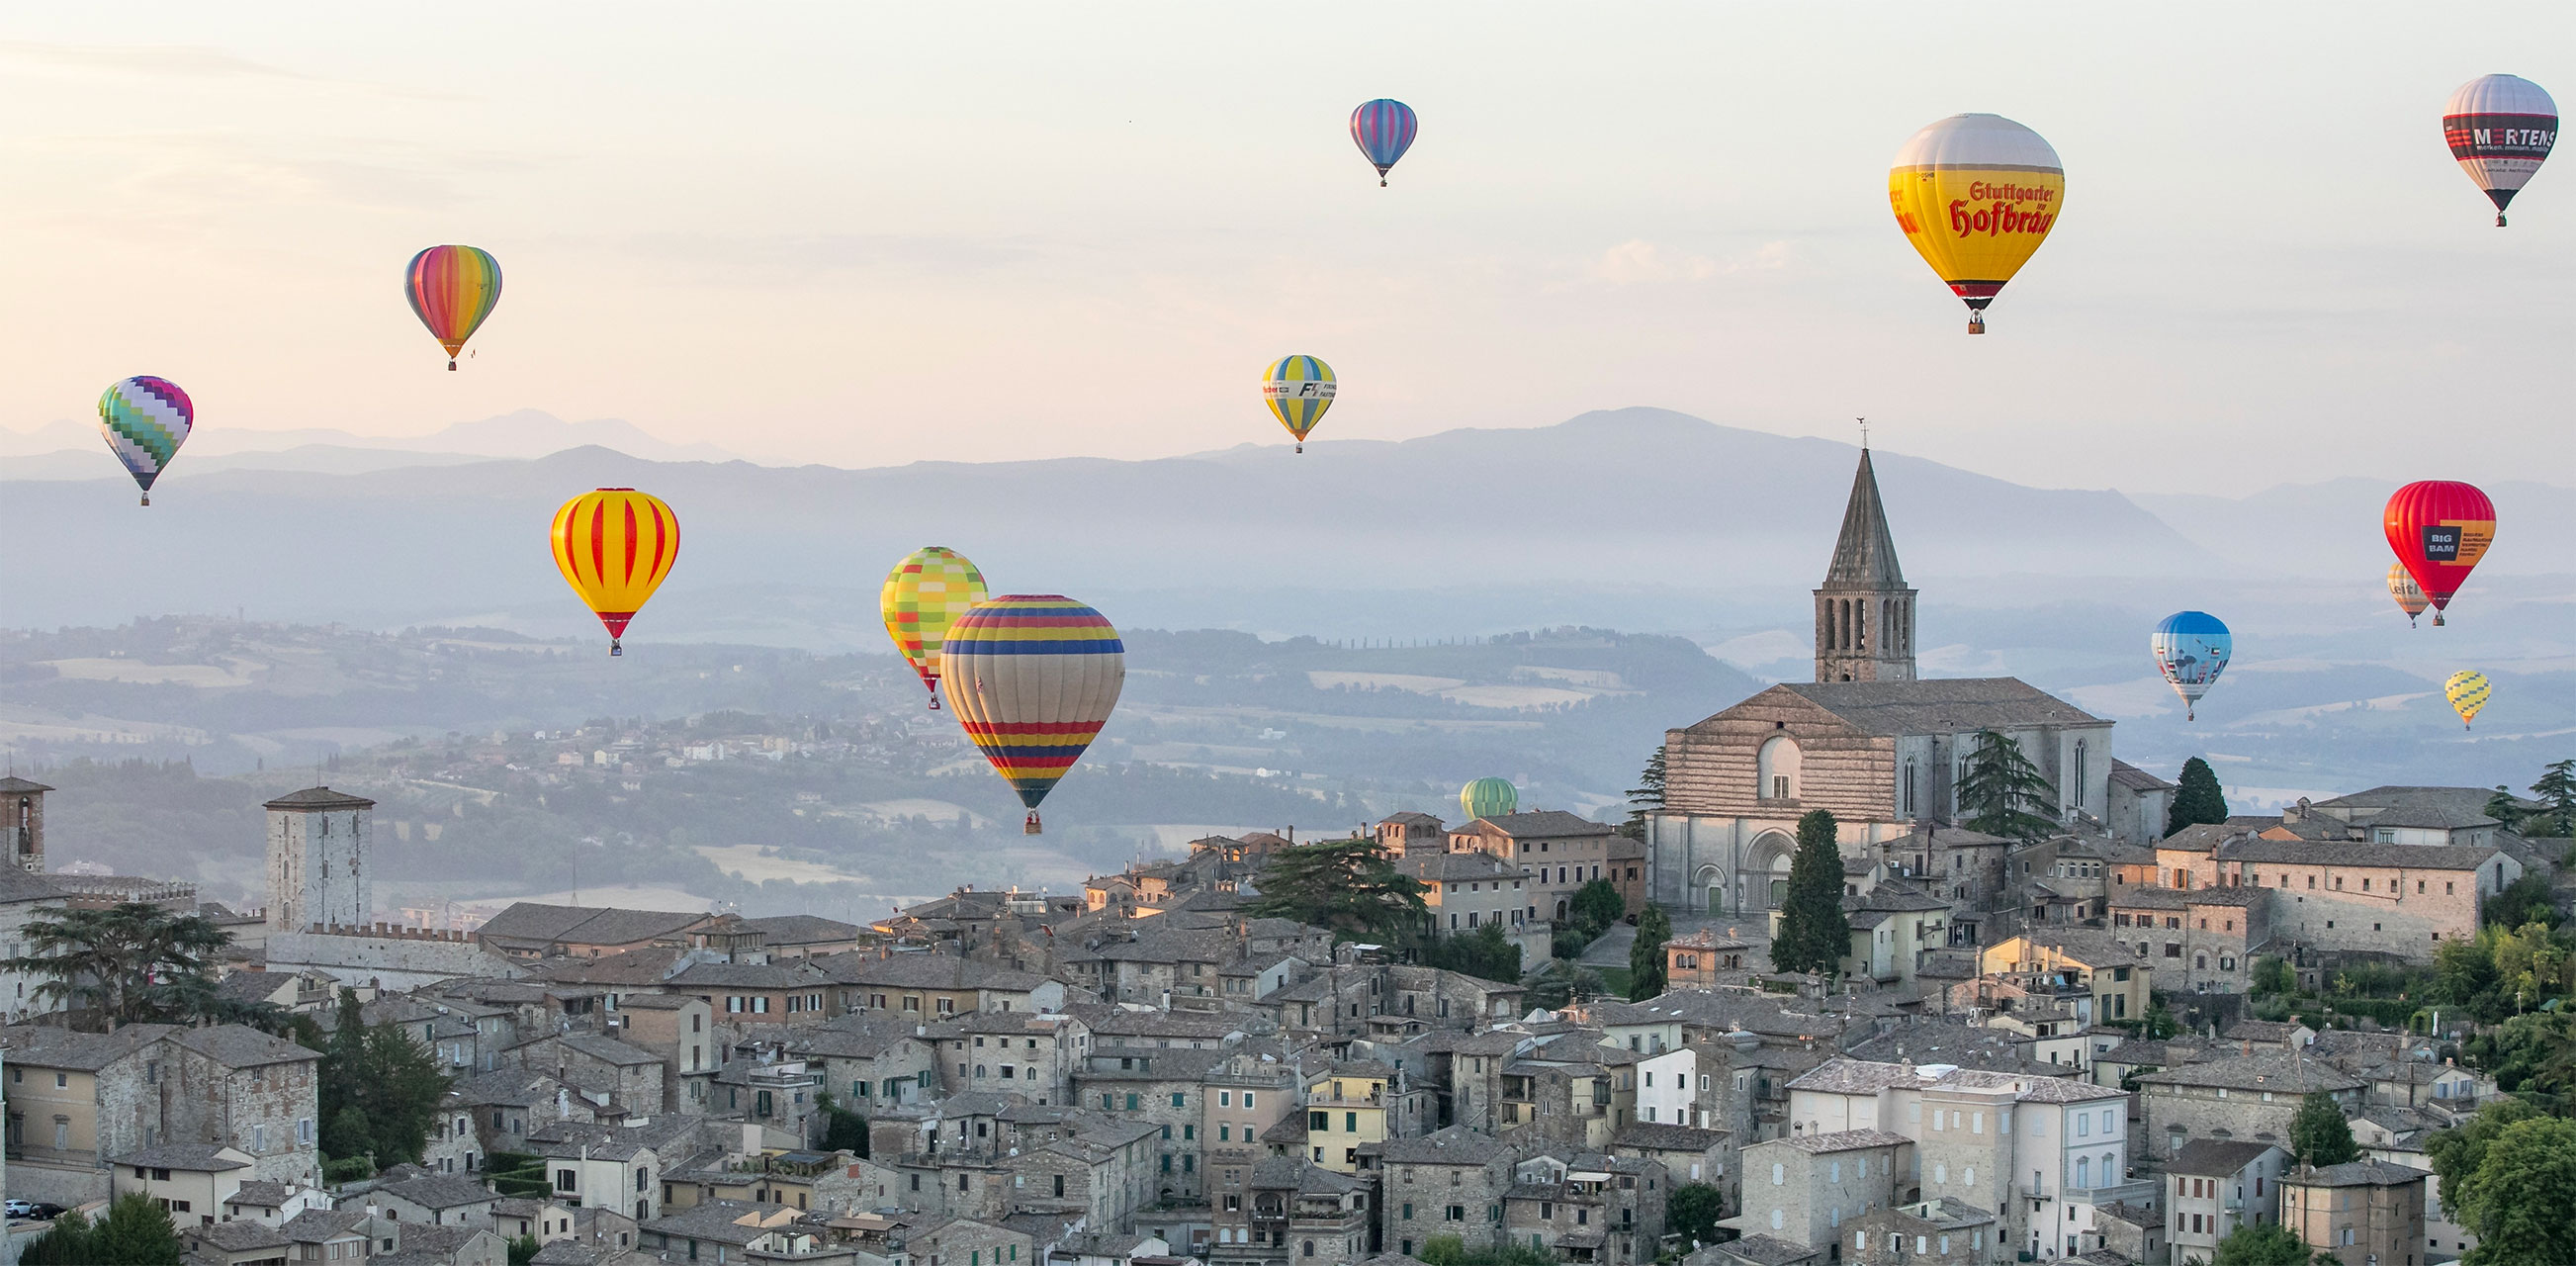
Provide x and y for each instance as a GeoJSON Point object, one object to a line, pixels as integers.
{"type": "Point", "coordinates": [615, 545]}
{"type": "Point", "coordinates": [452, 288]}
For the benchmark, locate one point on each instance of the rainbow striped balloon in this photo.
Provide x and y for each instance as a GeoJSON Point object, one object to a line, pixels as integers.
{"type": "Point", "coordinates": [1298, 389]}
{"type": "Point", "coordinates": [145, 420]}
{"type": "Point", "coordinates": [614, 546]}
{"type": "Point", "coordinates": [1384, 129]}
{"type": "Point", "coordinates": [452, 288]}
{"type": "Point", "coordinates": [923, 596]}
{"type": "Point", "coordinates": [1033, 677]}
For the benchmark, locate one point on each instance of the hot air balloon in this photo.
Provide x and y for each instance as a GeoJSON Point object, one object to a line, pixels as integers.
{"type": "Point", "coordinates": [1488, 798]}
{"type": "Point", "coordinates": [2440, 528]}
{"type": "Point", "coordinates": [452, 288]}
{"type": "Point", "coordinates": [145, 420]}
{"type": "Point", "coordinates": [1976, 194]}
{"type": "Point", "coordinates": [615, 545]}
{"type": "Point", "coordinates": [2191, 650]}
{"type": "Point", "coordinates": [1384, 129]}
{"type": "Point", "coordinates": [2409, 596]}
{"type": "Point", "coordinates": [2467, 692]}
{"type": "Point", "coordinates": [2500, 127]}
{"type": "Point", "coordinates": [923, 595]}
{"type": "Point", "coordinates": [1298, 389]}
{"type": "Point", "coordinates": [1032, 678]}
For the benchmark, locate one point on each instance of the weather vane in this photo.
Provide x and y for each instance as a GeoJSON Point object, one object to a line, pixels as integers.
{"type": "Point", "coordinates": [1864, 433]}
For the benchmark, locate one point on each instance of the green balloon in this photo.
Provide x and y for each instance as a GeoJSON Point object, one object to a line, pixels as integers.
{"type": "Point", "coordinates": [1488, 798]}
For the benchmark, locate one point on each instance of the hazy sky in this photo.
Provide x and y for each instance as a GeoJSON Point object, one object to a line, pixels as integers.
{"type": "Point", "coordinates": [867, 234]}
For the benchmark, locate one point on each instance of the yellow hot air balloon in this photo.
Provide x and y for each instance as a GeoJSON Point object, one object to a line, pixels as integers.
{"type": "Point", "coordinates": [1298, 389]}
{"type": "Point", "coordinates": [615, 545]}
{"type": "Point", "coordinates": [2409, 595]}
{"type": "Point", "coordinates": [1976, 194]}
{"type": "Point", "coordinates": [923, 595]}
{"type": "Point", "coordinates": [2467, 692]}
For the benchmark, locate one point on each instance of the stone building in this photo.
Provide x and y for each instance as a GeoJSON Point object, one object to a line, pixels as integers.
{"type": "Point", "coordinates": [76, 1099]}
{"type": "Point", "coordinates": [1588, 1206]}
{"type": "Point", "coordinates": [25, 895]}
{"type": "Point", "coordinates": [1868, 741]}
{"type": "Point", "coordinates": [1450, 1182]}
{"type": "Point", "coordinates": [1942, 1231]}
{"type": "Point", "coordinates": [318, 869]}
{"type": "Point", "coordinates": [2239, 1098]}
{"type": "Point", "coordinates": [1023, 1052]}
{"type": "Point", "coordinates": [2360, 1211]}
{"type": "Point", "coordinates": [1469, 890]}
{"type": "Point", "coordinates": [1704, 958]}
{"type": "Point", "coordinates": [2213, 1187]}
{"type": "Point", "coordinates": [1562, 853]}
{"type": "Point", "coordinates": [1803, 1188]}
{"type": "Point", "coordinates": [22, 824]}
{"type": "Point", "coordinates": [2203, 939]}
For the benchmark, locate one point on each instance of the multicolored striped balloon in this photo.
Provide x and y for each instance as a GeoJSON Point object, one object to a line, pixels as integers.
{"type": "Point", "coordinates": [923, 596]}
{"type": "Point", "coordinates": [1033, 677]}
{"type": "Point", "coordinates": [615, 545]}
{"type": "Point", "coordinates": [2467, 692]}
{"type": "Point", "coordinates": [1298, 389]}
{"type": "Point", "coordinates": [452, 288]}
{"type": "Point", "coordinates": [145, 420]}
{"type": "Point", "coordinates": [1384, 129]}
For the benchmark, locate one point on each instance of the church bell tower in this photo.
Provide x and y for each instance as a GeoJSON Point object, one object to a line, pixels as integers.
{"type": "Point", "coordinates": [1864, 611]}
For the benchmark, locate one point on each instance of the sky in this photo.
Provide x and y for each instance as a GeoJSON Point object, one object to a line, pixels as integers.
{"type": "Point", "coordinates": [875, 234]}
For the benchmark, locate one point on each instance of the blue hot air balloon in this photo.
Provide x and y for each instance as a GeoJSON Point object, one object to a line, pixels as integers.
{"type": "Point", "coordinates": [1384, 129]}
{"type": "Point", "coordinates": [2191, 649]}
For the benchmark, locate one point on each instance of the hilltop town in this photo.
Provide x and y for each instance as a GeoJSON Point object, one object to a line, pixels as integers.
{"type": "Point", "coordinates": [2105, 1030]}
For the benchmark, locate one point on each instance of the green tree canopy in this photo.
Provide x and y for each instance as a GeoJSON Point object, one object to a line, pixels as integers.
{"type": "Point", "coordinates": [1485, 953]}
{"type": "Point", "coordinates": [1562, 983]}
{"type": "Point", "coordinates": [136, 1232]}
{"type": "Point", "coordinates": [1646, 955]}
{"type": "Point", "coordinates": [1345, 885]}
{"type": "Point", "coordinates": [121, 964]}
{"type": "Point", "coordinates": [2521, 1197]}
{"type": "Point", "coordinates": [1814, 933]}
{"type": "Point", "coordinates": [2003, 793]}
{"type": "Point", "coordinates": [2557, 790]}
{"type": "Point", "coordinates": [2319, 1134]}
{"type": "Point", "coordinates": [2198, 800]}
{"type": "Point", "coordinates": [380, 1090]}
{"type": "Point", "coordinates": [1693, 1211]}
{"type": "Point", "coordinates": [1647, 794]}
{"type": "Point", "coordinates": [2456, 1153]}
{"type": "Point", "coordinates": [1596, 905]}
{"type": "Point", "coordinates": [2261, 1244]}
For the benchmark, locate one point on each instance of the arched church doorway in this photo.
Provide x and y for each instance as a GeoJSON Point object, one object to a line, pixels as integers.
{"type": "Point", "coordinates": [1771, 854]}
{"type": "Point", "coordinates": [1712, 885]}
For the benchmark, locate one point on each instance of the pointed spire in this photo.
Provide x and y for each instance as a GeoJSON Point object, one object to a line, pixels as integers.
{"type": "Point", "coordinates": [1865, 555]}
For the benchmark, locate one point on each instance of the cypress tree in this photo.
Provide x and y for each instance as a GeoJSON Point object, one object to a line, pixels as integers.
{"type": "Point", "coordinates": [1814, 935]}
{"type": "Point", "coordinates": [1646, 955]}
{"type": "Point", "coordinates": [2200, 799]}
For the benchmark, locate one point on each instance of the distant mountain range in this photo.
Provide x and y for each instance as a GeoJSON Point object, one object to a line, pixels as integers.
{"type": "Point", "coordinates": [72, 450]}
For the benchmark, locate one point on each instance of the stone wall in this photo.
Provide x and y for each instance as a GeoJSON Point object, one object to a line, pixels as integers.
{"type": "Point", "coordinates": [394, 958]}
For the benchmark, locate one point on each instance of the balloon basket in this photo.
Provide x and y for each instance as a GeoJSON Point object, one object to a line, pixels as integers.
{"type": "Point", "coordinates": [616, 648]}
{"type": "Point", "coordinates": [934, 703]}
{"type": "Point", "coordinates": [1031, 827]}
{"type": "Point", "coordinates": [451, 366]}
{"type": "Point", "coordinates": [2437, 619]}
{"type": "Point", "coordinates": [147, 498]}
{"type": "Point", "coordinates": [2499, 214]}
{"type": "Point", "coordinates": [1381, 183]}
{"type": "Point", "coordinates": [1976, 323]}
{"type": "Point", "coordinates": [1301, 446]}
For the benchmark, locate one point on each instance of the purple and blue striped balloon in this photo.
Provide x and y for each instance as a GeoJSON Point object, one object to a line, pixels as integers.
{"type": "Point", "coordinates": [1384, 129]}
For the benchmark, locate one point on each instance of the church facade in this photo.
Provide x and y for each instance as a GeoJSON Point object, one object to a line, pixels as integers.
{"type": "Point", "coordinates": [1868, 740]}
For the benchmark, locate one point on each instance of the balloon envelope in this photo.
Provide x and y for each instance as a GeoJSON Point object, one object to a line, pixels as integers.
{"type": "Point", "coordinates": [1032, 678]}
{"type": "Point", "coordinates": [1384, 129]}
{"type": "Point", "coordinates": [2409, 595]}
{"type": "Point", "coordinates": [614, 546]}
{"type": "Point", "coordinates": [2439, 529]}
{"type": "Point", "coordinates": [2467, 692]}
{"type": "Point", "coordinates": [1488, 798]}
{"type": "Point", "coordinates": [144, 420]}
{"type": "Point", "coordinates": [2191, 650]}
{"type": "Point", "coordinates": [2500, 128]}
{"type": "Point", "coordinates": [923, 596]}
{"type": "Point", "coordinates": [1298, 390]}
{"type": "Point", "coordinates": [1976, 194]}
{"type": "Point", "coordinates": [452, 288]}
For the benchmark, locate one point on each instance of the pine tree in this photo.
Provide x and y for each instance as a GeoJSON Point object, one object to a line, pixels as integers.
{"type": "Point", "coordinates": [1345, 885]}
{"type": "Point", "coordinates": [1646, 956]}
{"type": "Point", "coordinates": [1814, 934]}
{"type": "Point", "coordinates": [2200, 800]}
{"type": "Point", "coordinates": [2506, 810]}
{"type": "Point", "coordinates": [2557, 789]}
{"type": "Point", "coordinates": [2319, 1134]}
{"type": "Point", "coordinates": [2003, 793]}
{"type": "Point", "coordinates": [1647, 794]}
{"type": "Point", "coordinates": [135, 1232]}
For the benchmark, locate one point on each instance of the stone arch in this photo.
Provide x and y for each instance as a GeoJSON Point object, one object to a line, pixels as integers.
{"type": "Point", "coordinates": [1771, 855]}
{"type": "Point", "coordinates": [1711, 882]}
{"type": "Point", "coordinates": [1778, 766]}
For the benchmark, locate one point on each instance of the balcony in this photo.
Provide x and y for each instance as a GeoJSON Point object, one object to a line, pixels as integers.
{"type": "Point", "coordinates": [1321, 1095]}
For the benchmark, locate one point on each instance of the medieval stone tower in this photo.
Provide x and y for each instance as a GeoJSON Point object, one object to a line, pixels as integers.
{"type": "Point", "coordinates": [1864, 612]}
{"type": "Point", "coordinates": [317, 860]}
{"type": "Point", "coordinates": [22, 822]}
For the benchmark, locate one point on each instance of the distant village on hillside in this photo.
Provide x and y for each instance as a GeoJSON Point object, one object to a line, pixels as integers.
{"type": "Point", "coordinates": [2106, 1032]}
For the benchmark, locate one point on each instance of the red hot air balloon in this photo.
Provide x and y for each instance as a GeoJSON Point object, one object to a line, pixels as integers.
{"type": "Point", "coordinates": [2440, 528]}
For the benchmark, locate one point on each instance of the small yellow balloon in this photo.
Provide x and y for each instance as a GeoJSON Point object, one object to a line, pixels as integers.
{"type": "Point", "coordinates": [2467, 692]}
{"type": "Point", "coordinates": [1976, 194]}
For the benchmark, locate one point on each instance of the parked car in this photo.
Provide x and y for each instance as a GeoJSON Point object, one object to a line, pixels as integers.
{"type": "Point", "coordinates": [19, 1208]}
